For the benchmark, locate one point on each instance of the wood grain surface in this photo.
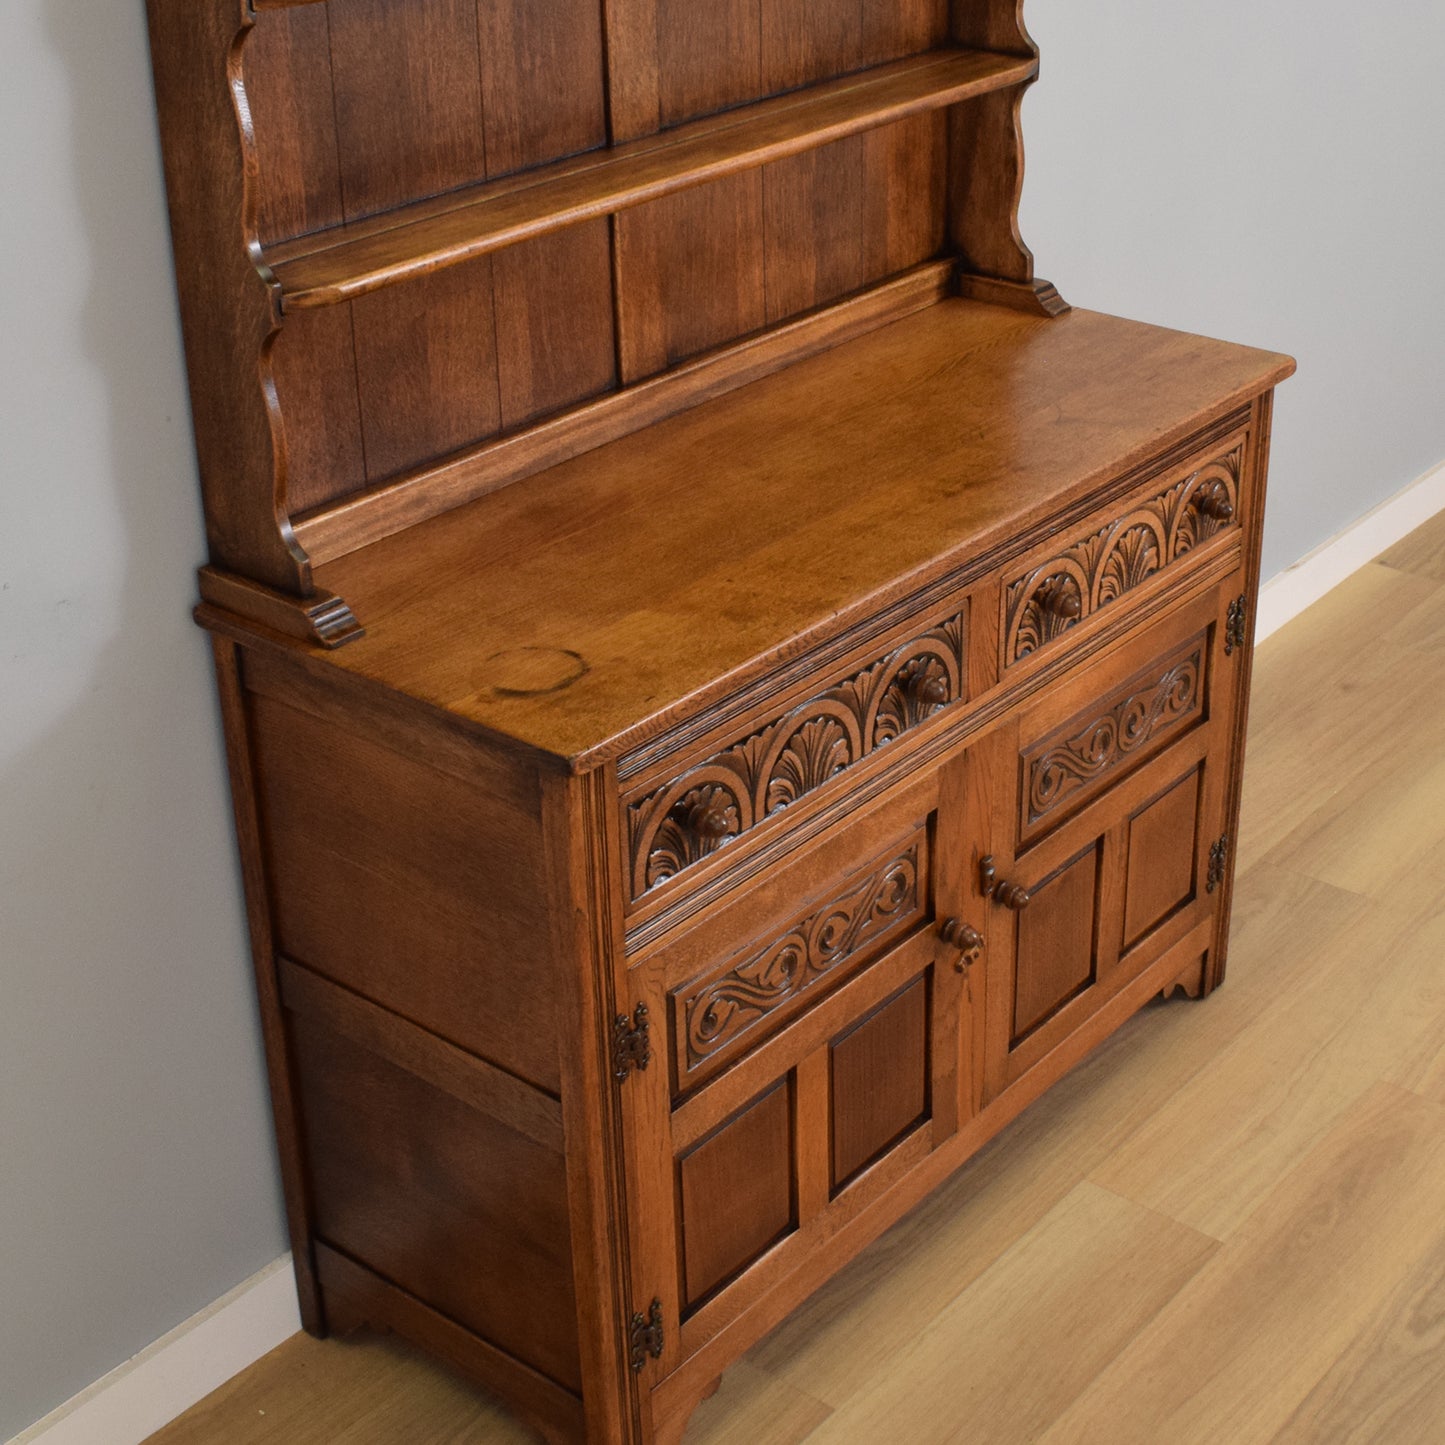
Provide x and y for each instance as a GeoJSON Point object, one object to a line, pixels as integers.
{"type": "Point", "coordinates": [799, 505]}
{"type": "Point", "coordinates": [1225, 1225]}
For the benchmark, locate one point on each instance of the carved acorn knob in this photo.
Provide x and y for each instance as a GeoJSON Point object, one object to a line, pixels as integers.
{"type": "Point", "coordinates": [1212, 500]}
{"type": "Point", "coordinates": [930, 688]}
{"type": "Point", "coordinates": [964, 937]}
{"type": "Point", "coordinates": [709, 818]}
{"type": "Point", "coordinates": [1063, 602]}
{"type": "Point", "coordinates": [1011, 895]}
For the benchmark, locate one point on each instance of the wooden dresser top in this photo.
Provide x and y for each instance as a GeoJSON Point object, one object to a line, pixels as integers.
{"type": "Point", "coordinates": [585, 609]}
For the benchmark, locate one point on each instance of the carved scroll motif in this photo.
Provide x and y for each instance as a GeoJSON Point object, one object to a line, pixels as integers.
{"type": "Point", "coordinates": [1108, 564]}
{"type": "Point", "coordinates": [720, 799]}
{"type": "Point", "coordinates": [1104, 742]}
{"type": "Point", "coordinates": [722, 1009]}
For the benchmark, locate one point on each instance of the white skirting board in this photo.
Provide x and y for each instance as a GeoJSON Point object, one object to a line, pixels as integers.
{"type": "Point", "coordinates": [205, 1351]}
{"type": "Point", "coordinates": [135, 1399]}
{"type": "Point", "coordinates": [1288, 593]}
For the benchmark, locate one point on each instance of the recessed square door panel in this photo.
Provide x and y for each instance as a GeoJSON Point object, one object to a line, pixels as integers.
{"type": "Point", "coordinates": [1056, 933]}
{"type": "Point", "coordinates": [1162, 852]}
{"type": "Point", "coordinates": [736, 1191]}
{"type": "Point", "coordinates": [879, 1081]}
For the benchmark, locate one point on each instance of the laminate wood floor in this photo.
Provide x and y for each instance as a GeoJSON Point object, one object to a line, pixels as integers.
{"type": "Point", "coordinates": [1227, 1226]}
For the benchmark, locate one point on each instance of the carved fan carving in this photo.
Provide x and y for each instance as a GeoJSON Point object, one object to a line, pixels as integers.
{"type": "Point", "coordinates": [818, 750]}
{"type": "Point", "coordinates": [794, 755]}
{"type": "Point", "coordinates": [1108, 564]}
{"type": "Point", "coordinates": [1136, 554]}
{"type": "Point", "coordinates": [699, 822]}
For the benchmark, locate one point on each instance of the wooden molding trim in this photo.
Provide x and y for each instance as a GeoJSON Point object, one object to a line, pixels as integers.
{"type": "Point", "coordinates": [472, 1080]}
{"type": "Point", "coordinates": [1037, 297]}
{"type": "Point", "coordinates": [182, 1367]}
{"type": "Point", "coordinates": [322, 617]}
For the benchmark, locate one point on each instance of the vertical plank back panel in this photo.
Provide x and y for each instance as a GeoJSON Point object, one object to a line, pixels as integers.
{"type": "Point", "coordinates": [903, 27]}
{"type": "Point", "coordinates": [554, 322]}
{"type": "Point", "coordinates": [287, 72]}
{"type": "Point", "coordinates": [408, 99]}
{"type": "Point", "coordinates": [813, 204]}
{"type": "Point", "coordinates": [905, 189]}
{"type": "Point", "coordinates": [709, 56]}
{"type": "Point", "coordinates": [691, 268]}
{"type": "Point", "coordinates": [541, 80]}
{"type": "Point", "coordinates": [808, 40]}
{"type": "Point", "coordinates": [631, 45]}
{"type": "Point", "coordinates": [427, 365]}
{"type": "Point", "coordinates": [693, 273]}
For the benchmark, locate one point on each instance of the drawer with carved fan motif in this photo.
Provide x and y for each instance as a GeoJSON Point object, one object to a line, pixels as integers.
{"type": "Point", "coordinates": [706, 795]}
{"type": "Point", "coordinates": [1165, 528]}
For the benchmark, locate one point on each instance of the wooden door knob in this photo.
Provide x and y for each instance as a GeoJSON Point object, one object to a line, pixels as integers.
{"type": "Point", "coordinates": [964, 937]}
{"type": "Point", "coordinates": [1213, 500]}
{"type": "Point", "coordinates": [1011, 895]}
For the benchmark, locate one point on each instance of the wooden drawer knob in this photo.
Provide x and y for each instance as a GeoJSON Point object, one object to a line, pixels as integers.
{"type": "Point", "coordinates": [1212, 499]}
{"type": "Point", "coordinates": [930, 689]}
{"type": "Point", "coordinates": [1058, 600]}
{"type": "Point", "coordinates": [964, 937]}
{"type": "Point", "coordinates": [1011, 895]}
{"type": "Point", "coordinates": [710, 818]}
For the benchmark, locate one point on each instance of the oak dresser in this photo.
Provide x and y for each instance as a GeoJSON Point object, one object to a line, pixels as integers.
{"type": "Point", "coordinates": [731, 686]}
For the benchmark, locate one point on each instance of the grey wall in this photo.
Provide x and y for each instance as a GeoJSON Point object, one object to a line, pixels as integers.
{"type": "Point", "coordinates": [1267, 172]}
{"type": "Point", "coordinates": [137, 1180]}
{"type": "Point", "coordinates": [1271, 171]}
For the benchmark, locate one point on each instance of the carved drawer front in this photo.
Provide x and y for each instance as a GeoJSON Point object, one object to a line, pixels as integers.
{"type": "Point", "coordinates": [690, 803]}
{"type": "Point", "coordinates": [1167, 525]}
{"type": "Point", "coordinates": [1111, 736]}
{"type": "Point", "coordinates": [753, 992]}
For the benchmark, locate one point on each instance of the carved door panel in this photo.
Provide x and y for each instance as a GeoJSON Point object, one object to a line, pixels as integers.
{"type": "Point", "coordinates": [812, 1040]}
{"type": "Point", "coordinates": [1100, 879]}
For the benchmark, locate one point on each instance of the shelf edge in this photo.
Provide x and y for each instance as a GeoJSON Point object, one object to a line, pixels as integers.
{"type": "Point", "coordinates": [333, 269]}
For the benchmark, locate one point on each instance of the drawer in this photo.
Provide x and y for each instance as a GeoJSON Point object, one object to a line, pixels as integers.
{"type": "Point", "coordinates": [696, 794]}
{"type": "Point", "coordinates": [1168, 525]}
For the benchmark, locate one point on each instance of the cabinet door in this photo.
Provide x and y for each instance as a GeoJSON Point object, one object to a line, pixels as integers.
{"type": "Point", "coordinates": [813, 1040]}
{"type": "Point", "coordinates": [1099, 877]}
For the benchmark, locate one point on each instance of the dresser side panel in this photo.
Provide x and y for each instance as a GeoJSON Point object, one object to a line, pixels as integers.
{"type": "Point", "coordinates": [406, 884]}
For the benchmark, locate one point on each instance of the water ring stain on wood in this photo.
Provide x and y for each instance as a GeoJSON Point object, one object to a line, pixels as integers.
{"type": "Point", "coordinates": [533, 671]}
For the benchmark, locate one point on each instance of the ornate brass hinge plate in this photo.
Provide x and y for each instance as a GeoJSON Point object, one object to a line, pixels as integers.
{"type": "Point", "coordinates": [631, 1046]}
{"type": "Point", "coordinates": [1235, 624]}
{"type": "Point", "coordinates": [645, 1336]}
{"type": "Point", "coordinates": [1218, 859]}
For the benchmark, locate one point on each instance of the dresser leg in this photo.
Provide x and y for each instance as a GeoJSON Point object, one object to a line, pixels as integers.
{"type": "Point", "coordinates": [672, 1429]}
{"type": "Point", "coordinates": [1192, 980]}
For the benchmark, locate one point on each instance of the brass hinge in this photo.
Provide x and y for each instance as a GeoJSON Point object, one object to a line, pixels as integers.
{"type": "Point", "coordinates": [631, 1048]}
{"type": "Point", "coordinates": [1218, 857]}
{"type": "Point", "coordinates": [645, 1336]}
{"type": "Point", "coordinates": [1235, 623]}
